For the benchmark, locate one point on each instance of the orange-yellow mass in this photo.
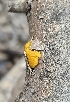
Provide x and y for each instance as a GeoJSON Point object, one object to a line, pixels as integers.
{"type": "Point", "coordinates": [32, 56]}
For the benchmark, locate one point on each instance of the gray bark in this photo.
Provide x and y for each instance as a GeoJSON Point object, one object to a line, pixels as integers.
{"type": "Point", "coordinates": [18, 6]}
{"type": "Point", "coordinates": [49, 22]}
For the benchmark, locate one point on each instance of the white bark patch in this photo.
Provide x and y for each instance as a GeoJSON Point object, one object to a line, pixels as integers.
{"type": "Point", "coordinates": [37, 45]}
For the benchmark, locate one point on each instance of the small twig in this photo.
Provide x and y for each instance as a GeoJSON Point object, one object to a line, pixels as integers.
{"type": "Point", "coordinates": [18, 6]}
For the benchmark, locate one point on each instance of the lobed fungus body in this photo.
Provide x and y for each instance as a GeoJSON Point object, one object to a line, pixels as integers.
{"type": "Point", "coordinates": [32, 55]}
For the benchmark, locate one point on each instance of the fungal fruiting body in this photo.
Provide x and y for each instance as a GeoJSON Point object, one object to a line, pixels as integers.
{"type": "Point", "coordinates": [32, 55]}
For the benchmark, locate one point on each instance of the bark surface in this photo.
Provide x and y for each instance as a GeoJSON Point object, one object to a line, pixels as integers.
{"type": "Point", "coordinates": [49, 22]}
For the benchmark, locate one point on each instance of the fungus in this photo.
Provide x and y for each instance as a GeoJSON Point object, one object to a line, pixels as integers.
{"type": "Point", "coordinates": [32, 55]}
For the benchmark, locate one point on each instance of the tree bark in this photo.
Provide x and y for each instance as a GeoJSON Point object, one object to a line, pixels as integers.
{"type": "Point", "coordinates": [18, 6]}
{"type": "Point", "coordinates": [49, 27]}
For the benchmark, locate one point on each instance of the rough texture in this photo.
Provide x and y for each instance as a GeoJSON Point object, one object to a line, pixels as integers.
{"type": "Point", "coordinates": [49, 23]}
{"type": "Point", "coordinates": [57, 50]}
{"type": "Point", "coordinates": [17, 6]}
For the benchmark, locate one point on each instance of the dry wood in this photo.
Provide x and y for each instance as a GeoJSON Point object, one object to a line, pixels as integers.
{"type": "Point", "coordinates": [49, 24]}
{"type": "Point", "coordinates": [17, 6]}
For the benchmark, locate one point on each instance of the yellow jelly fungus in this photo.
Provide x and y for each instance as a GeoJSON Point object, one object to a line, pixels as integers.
{"type": "Point", "coordinates": [32, 55]}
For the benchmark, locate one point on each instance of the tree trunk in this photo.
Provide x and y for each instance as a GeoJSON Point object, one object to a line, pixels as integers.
{"type": "Point", "coordinates": [49, 22]}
